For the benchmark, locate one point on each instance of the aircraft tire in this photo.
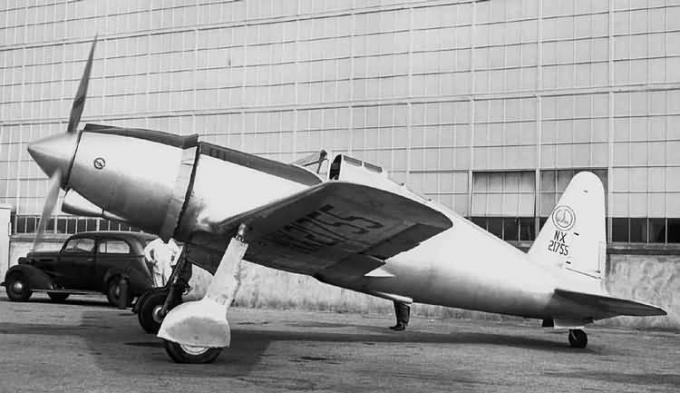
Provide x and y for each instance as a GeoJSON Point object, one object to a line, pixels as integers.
{"type": "Point", "coordinates": [188, 354]}
{"type": "Point", "coordinates": [578, 338]}
{"type": "Point", "coordinates": [17, 288]}
{"type": "Point", "coordinates": [148, 312]}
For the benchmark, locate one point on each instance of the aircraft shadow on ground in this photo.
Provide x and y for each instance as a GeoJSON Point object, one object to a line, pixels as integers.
{"type": "Point", "coordinates": [118, 344]}
{"type": "Point", "coordinates": [74, 302]}
{"type": "Point", "coordinates": [373, 334]}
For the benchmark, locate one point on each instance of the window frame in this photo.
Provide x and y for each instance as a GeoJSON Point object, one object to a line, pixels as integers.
{"type": "Point", "coordinates": [105, 240]}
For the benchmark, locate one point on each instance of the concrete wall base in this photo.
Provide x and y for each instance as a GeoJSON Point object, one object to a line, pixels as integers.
{"type": "Point", "coordinates": [652, 279]}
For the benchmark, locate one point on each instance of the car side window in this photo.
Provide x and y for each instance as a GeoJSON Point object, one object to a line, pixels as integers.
{"type": "Point", "coordinates": [113, 246]}
{"type": "Point", "coordinates": [82, 244]}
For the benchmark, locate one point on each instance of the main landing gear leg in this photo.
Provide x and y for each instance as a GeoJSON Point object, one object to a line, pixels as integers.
{"type": "Point", "coordinates": [196, 332]}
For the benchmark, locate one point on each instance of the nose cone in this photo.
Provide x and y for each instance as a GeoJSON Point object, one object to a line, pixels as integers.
{"type": "Point", "coordinates": [54, 152]}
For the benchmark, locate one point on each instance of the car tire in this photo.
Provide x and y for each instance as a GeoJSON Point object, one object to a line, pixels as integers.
{"type": "Point", "coordinates": [189, 354]}
{"type": "Point", "coordinates": [148, 310]}
{"type": "Point", "coordinates": [58, 297]}
{"type": "Point", "coordinates": [113, 288]}
{"type": "Point", "coordinates": [17, 288]}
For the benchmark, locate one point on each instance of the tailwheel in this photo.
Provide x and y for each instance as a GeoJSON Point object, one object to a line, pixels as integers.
{"type": "Point", "coordinates": [181, 353]}
{"type": "Point", "coordinates": [578, 338]}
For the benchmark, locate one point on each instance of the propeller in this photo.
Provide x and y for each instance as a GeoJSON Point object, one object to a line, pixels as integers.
{"type": "Point", "coordinates": [81, 94]}
{"type": "Point", "coordinates": [51, 165]}
{"type": "Point", "coordinates": [50, 201]}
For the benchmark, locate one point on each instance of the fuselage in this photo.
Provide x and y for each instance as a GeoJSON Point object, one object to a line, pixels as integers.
{"type": "Point", "coordinates": [179, 187]}
{"type": "Point", "coordinates": [464, 266]}
{"type": "Point", "coordinates": [467, 267]}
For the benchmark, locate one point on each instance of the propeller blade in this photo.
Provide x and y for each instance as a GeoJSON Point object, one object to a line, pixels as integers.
{"type": "Point", "coordinates": [79, 101]}
{"type": "Point", "coordinates": [48, 207]}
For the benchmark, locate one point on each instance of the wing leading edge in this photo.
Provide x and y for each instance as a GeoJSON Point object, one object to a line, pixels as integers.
{"type": "Point", "coordinates": [349, 227]}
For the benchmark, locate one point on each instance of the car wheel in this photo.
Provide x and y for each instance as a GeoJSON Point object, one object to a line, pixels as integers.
{"type": "Point", "coordinates": [113, 292]}
{"type": "Point", "coordinates": [17, 288]}
{"type": "Point", "coordinates": [58, 297]}
{"type": "Point", "coordinates": [148, 311]}
{"type": "Point", "coordinates": [190, 354]}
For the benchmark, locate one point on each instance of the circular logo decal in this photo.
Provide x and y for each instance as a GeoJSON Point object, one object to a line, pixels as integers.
{"type": "Point", "coordinates": [564, 218]}
{"type": "Point", "coordinates": [99, 163]}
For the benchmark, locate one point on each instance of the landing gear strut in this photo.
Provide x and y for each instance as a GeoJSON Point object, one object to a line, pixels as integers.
{"type": "Point", "coordinates": [155, 303]}
{"type": "Point", "coordinates": [197, 331]}
{"type": "Point", "coordinates": [578, 338]}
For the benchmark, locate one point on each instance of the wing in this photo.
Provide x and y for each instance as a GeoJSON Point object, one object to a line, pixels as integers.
{"type": "Point", "coordinates": [346, 227]}
{"type": "Point", "coordinates": [600, 307]}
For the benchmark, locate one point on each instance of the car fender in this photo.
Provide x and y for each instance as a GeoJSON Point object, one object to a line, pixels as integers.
{"type": "Point", "coordinates": [112, 272]}
{"type": "Point", "coordinates": [36, 278]}
{"type": "Point", "coordinates": [135, 272]}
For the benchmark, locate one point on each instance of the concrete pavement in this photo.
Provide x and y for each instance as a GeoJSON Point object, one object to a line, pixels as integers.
{"type": "Point", "coordinates": [86, 346]}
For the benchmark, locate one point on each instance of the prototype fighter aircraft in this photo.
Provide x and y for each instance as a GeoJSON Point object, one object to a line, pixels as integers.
{"type": "Point", "coordinates": [354, 228]}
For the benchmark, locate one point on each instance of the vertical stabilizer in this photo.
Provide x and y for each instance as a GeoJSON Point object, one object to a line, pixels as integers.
{"type": "Point", "coordinates": [573, 237]}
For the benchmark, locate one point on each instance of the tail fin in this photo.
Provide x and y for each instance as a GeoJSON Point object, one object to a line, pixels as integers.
{"type": "Point", "coordinates": [574, 235]}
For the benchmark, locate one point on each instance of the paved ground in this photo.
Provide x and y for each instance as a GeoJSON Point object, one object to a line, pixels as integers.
{"type": "Point", "coordinates": [86, 346]}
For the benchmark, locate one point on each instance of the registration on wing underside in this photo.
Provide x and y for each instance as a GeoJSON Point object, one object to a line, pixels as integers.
{"type": "Point", "coordinates": [329, 227]}
{"type": "Point", "coordinates": [334, 220]}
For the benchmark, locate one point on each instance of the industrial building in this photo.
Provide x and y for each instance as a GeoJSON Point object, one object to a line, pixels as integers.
{"type": "Point", "coordinates": [489, 107]}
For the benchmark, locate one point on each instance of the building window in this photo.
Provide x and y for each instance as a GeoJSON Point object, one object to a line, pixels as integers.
{"type": "Point", "coordinates": [503, 203]}
{"type": "Point", "coordinates": [503, 194]}
{"type": "Point", "coordinates": [495, 226]}
{"type": "Point", "coordinates": [66, 225]}
{"type": "Point", "coordinates": [554, 182]}
{"type": "Point", "coordinates": [638, 230]}
{"type": "Point", "coordinates": [620, 230]}
{"type": "Point", "coordinates": [508, 228]}
{"type": "Point", "coordinates": [527, 228]}
{"type": "Point", "coordinates": [511, 229]}
{"type": "Point", "coordinates": [646, 230]}
{"type": "Point", "coordinates": [673, 230]}
{"type": "Point", "coordinates": [657, 230]}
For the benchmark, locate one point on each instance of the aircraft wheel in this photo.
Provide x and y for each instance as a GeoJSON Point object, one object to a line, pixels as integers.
{"type": "Point", "coordinates": [149, 311]}
{"type": "Point", "coordinates": [57, 297]}
{"type": "Point", "coordinates": [578, 338]}
{"type": "Point", "coordinates": [190, 354]}
{"type": "Point", "coordinates": [17, 288]}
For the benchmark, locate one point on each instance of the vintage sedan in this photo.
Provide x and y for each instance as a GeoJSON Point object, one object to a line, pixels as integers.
{"type": "Point", "coordinates": [88, 262]}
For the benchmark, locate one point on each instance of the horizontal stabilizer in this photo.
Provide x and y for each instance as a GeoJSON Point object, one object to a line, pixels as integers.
{"type": "Point", "coordinates": [601, 307]}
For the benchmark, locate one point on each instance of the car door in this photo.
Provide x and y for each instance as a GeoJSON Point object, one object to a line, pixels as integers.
{"type": "Point", "coordinates": [112, 255]}
{"type": "Point", "coordinates": [76, 264]}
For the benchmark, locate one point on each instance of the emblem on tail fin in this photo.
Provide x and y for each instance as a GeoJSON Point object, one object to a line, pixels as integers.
{"type": "Point", "coordinates": [564, 218]}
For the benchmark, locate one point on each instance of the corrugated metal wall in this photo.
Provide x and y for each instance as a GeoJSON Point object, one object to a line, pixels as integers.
{"type": "Point", "coordinates": [435, 91]}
